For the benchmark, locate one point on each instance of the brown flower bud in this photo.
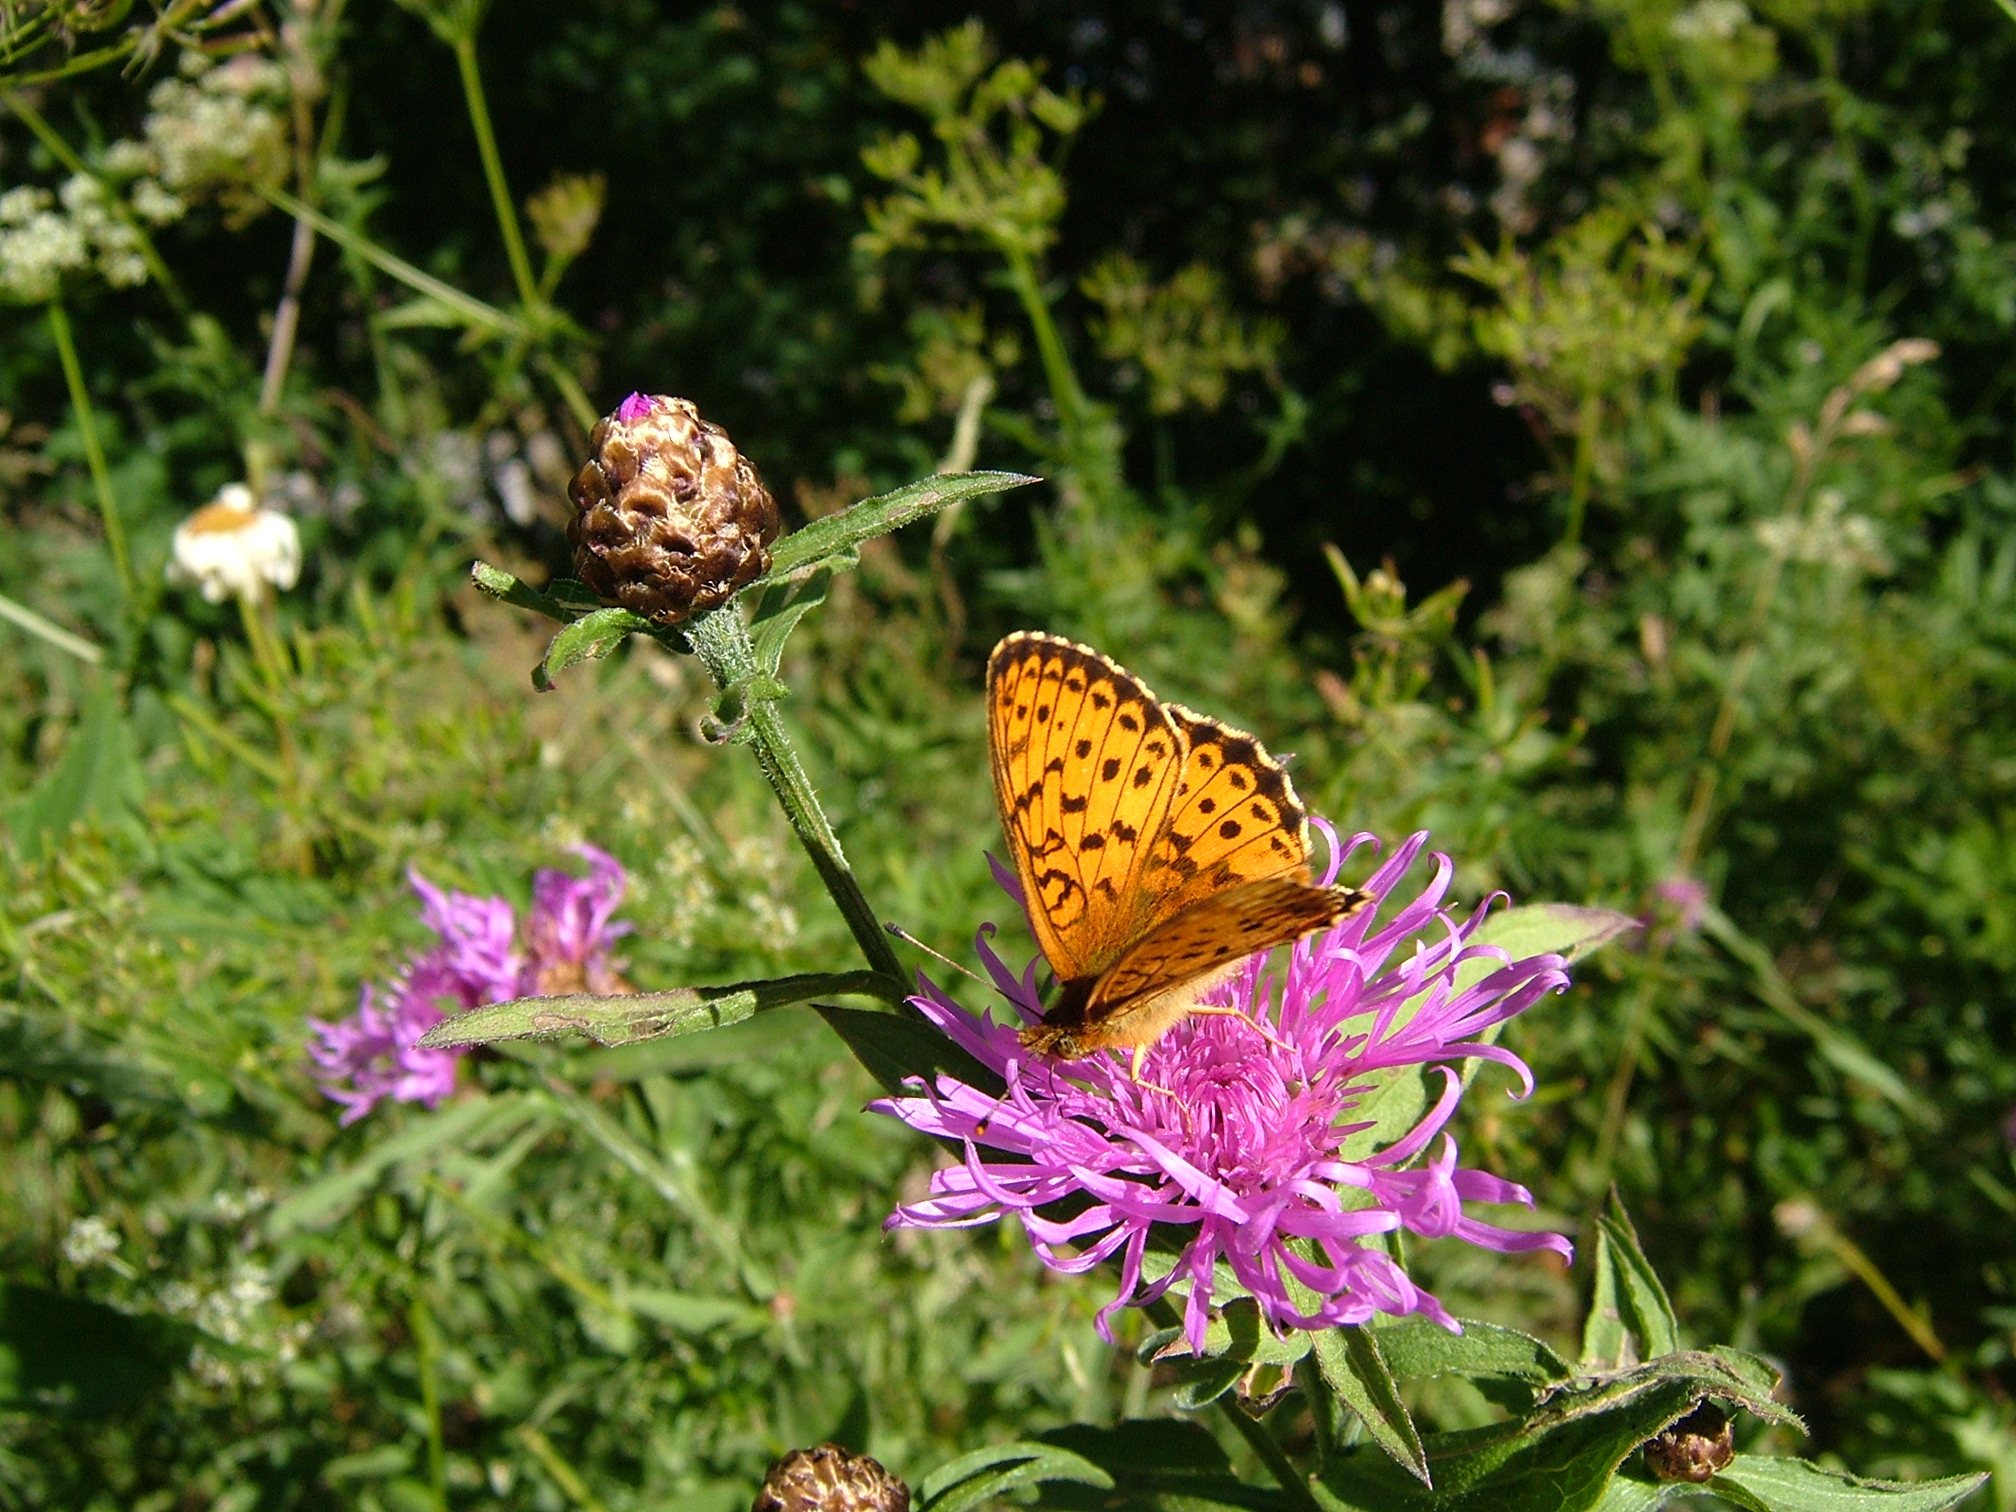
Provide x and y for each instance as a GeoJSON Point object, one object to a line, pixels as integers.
{"type": "Point", "coordinates": [669, 519]}
{"type": "Point", "coordinates": [829, 1479]}
{"type": "Point", "coordinates": [1694, 1448]}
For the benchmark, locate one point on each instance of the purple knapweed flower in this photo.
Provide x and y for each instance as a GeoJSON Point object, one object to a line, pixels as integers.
{"type": "Point", "coordinates": [568, 933]}
{"type": "Point", "coordinates": [479, 939]}
{"type": "Point", "coordinates": [375, 1053]}
{"type": "Point", "coordinates": [1239, 1135]}
{"type": "Point", "coordinates": [636, 407]}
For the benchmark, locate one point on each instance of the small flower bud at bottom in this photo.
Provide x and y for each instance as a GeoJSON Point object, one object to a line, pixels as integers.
{"type": "Point", "coordinates": [829, 1479]}
{"type": "Point", "coordinates": [1693, 1449]}
{"type": "Point", "coordinates": [669, 519]}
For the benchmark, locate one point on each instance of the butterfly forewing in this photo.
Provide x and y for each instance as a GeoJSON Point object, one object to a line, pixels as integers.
{"type": "Point", "coordinates": [1235, 819]}
{"type": "Point", "coordinates": [1086, 763]}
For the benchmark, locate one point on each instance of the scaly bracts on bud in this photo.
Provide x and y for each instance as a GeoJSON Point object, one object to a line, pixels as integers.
{"type": "Point", "coordinates": [669, 518]}
{"type": "Point", "coordinates": [827, 1478]}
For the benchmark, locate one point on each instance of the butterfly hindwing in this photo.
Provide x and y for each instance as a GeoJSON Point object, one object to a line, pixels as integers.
{"type": "Point", "coordinates": [1086, 763]}
{"type": "Point", "coordinates": [1193, 947]}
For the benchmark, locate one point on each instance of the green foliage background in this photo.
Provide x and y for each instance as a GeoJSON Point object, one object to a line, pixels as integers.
{"type": "Point", "coordinates": [1584, 320]}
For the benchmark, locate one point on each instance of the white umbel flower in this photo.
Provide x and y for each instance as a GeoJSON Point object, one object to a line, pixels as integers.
{"type": "Point", "coordinates": [231, 547]}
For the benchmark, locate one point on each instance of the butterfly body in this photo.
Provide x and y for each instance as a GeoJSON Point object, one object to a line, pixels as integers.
{"type": "Point", "coordinates": [1157, 848]}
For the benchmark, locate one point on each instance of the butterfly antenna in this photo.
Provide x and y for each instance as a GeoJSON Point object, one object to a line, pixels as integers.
{"type": "Point", "coordinates": [909, 939]}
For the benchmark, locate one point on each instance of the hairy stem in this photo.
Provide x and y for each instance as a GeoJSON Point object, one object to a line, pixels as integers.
{"type": "Point", "coordinates": [94, 454]}
{"type": "Point", "coordinates": [721, 641]}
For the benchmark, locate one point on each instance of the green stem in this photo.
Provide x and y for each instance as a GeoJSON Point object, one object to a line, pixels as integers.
{"type": "Point", "coordinates": [94, 454]}
{"type": "Point", "coordinates": [1617, 1101]}
{"type": "Point", "coordinates": [1294, 1484]}
{"type": "Point", "coordinates": [47, 135]}
{"type": "Point", "coordinates": [564, 1475]}
{"type": "Point", "coordinates": [577, 402]}
{"type": "Point", "coordinates": [1057, 369]}
{"type": "Point", "coordinates": [1585, 465]}
{"type": "Point", "coordinates": [721, 641]}
{"type": "Point", "coordinates": [493, 173]}
{"type": "Point", "coordinates": [427, 1353]}
{"type": "Point", "coordinates": [55, 634]}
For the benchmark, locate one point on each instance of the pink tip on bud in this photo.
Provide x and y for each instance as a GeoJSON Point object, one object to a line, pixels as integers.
{"type": "Point", "coordinates": [636, 407]}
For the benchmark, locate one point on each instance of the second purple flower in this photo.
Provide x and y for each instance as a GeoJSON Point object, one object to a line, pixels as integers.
{"type": "Point", "coordinates": [568, 935]}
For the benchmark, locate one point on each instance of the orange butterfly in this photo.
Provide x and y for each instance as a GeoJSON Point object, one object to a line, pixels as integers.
{"type": "Point", "coordinates": [1157, 849]}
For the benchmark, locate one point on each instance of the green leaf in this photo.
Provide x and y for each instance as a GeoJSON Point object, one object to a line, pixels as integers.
{"type": "Point", "coordinates": [897, 1046]}
{"type": "Point", "coordinates": [778, 609]}
{"type": "Point", "coordinates": [1563, 1456]}
{"type": "Point", "coordinates": [1415, 1347]}
{"type": "Point", "coordinates": [1767, 1484]}
{"type": "Point", "coordinates": [501, 585]}
{"type": "Point", "coordinates": [1628, 1303]}
{"type": "Point", "coordinates": [627, 1019]}
{"type": "Point", "coordinates": [97, 776]}
{"type": "Point", "coordinates": [457, 1126]}
{"type": "Point", "coordinates": [1837, 1046]}
{"type": "Point", "coordinates": [753, 1039]}
{"type": "Point", "coordinates": [472, 312]}
{"type": "Point", "coordinates": [837, 534]}
{"type": "Point", "coordinates": [1166, 1464]}
{"type": "Point", "coordinates": [588, 638]}
{"type": "Point", "coordinates": [1236, 1332]}
{"type": "Point", "coordinates": [1393, 1106]}
{"type": "Point", "coordinates": [79, 1358]}
{"type": "Point", "coordinates": [1356, 1370]}
{"type": "Point", "coordinates": [1562, 929]}
{"type": "Point", "coordinates": [975, 1479]}
{"type": "Point", "coordinates": [1632, 1493]}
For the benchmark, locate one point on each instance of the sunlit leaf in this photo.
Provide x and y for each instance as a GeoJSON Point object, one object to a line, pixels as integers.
{"type": "Point", "coordinates": [626, 1019]}
{"type": "Point", "coordinates": [835, 534]}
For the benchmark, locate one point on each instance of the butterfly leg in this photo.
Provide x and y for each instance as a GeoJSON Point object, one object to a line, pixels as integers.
{"type": "Point", "coordinates": [1134, 1072]}
{"type": "Point", "coordinates": [1251, 1022]}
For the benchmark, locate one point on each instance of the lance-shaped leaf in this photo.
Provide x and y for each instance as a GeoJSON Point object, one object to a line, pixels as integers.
{"type": "Point", "coordinates": [897, 1047]}
{"type": "Point", "coordinates": [1354, 1368]}
{"type": "Point", "coordinates": [1509, 1367]}
{"type": "Point", "coordinates": [629, 1018]}
{"type": "Point", "coordinates": [778, 608]}
{"type": "Point", "coordinates": [1766, 1484]}
{"type": "Point", "coordinates": [466, 308]}
{"type": "Point", "coordinates": [1628, 1303]}
{"type": "Point", "coordinates": [836, 535]}
{"type": "Point", "coordinates": [1161, 1463]}
{"type": "Point", "coordinates": [977, 1479]}
{"type": "Point", "coordinates": [508, 589]}
{"type": "Point", "coordinates": [588, 638]}
{"type": "Point", "coordinates": [1564, 1456]}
